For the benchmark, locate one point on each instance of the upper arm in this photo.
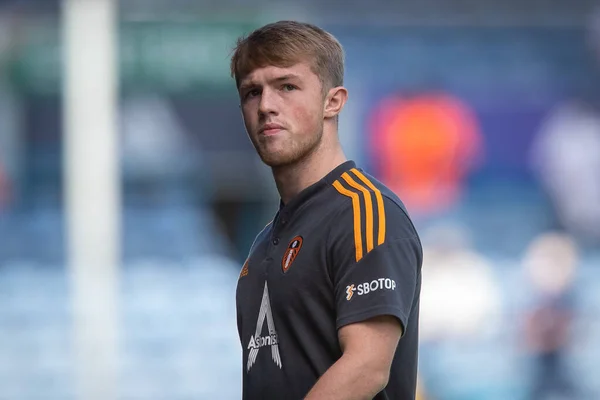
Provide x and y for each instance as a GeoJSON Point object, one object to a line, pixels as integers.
{"type": "Point", "coordinates": [378, 333]}
{"type": "Point", "coordinates": [383, 278]}
{"type": "Point", "coordinates": [373, 342]}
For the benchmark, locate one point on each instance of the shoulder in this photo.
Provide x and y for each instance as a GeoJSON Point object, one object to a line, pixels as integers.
{"type": "Point", "coordinates": [363, 200]}
{"type": "Point", "coordinates": [368, 214]}
{"type": "Point", "coordinates": [262, 236]}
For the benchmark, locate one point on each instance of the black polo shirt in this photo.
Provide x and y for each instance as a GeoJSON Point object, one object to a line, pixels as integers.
{"type": "Point", "coordinates": [342, 251]}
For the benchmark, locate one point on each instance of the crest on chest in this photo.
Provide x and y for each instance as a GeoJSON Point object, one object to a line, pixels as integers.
{"type": "Point", "coordinates": [291, 253]}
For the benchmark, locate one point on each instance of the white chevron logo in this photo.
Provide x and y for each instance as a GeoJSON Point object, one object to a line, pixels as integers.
{"type": "Point", "coordinates": [257, 341]}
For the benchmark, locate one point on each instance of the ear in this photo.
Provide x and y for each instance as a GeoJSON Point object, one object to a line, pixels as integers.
{"type": "Point", "coordinates": [334, 101]}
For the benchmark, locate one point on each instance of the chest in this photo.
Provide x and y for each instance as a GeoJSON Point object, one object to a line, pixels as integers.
{"type": "Point", "coordinates": [291, 258]}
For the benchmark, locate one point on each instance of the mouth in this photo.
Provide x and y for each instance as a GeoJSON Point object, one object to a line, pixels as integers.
{"type": "Point", "coordinates": [270, 129]}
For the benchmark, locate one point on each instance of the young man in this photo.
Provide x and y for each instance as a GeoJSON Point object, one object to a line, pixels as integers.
{"type": "Point", "coordinates": [328, 298]}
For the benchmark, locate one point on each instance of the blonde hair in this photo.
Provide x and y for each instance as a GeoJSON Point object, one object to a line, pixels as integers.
{"type": "Point", "coordinates": [285, 43]}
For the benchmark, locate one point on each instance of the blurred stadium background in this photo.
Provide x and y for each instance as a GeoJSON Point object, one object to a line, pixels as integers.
{"type": "Point", "coordinates": [483, 115]}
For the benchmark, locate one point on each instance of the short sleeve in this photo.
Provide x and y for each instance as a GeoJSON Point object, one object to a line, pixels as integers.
{"type": "Point", "coordinates": [380, 278]}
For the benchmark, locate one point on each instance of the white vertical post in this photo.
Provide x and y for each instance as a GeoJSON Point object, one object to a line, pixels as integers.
{"type": "Point", "coordinates": [92, 195]}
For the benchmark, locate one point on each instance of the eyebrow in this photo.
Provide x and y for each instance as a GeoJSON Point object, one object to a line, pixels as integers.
{"type": "Point", "coordinates": [286, 77]}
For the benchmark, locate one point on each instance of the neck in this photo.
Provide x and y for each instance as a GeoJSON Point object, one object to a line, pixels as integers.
{"type": "Point", "coordinates": [294, 178]}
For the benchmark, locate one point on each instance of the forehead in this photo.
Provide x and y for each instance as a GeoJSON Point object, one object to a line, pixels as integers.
{"type": "Point", "coordinates": [263, 75]}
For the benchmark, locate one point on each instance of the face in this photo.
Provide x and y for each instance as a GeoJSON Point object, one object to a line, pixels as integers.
{"type": "Point", "coordinates": [283, 111]}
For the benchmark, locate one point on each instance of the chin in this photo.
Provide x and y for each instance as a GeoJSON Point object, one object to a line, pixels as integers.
{"type": "Point", "coordinates": [276, 160]}
{"type": "Point", "coordinates": [280, 154]}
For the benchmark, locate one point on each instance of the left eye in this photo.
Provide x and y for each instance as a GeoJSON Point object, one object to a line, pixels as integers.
{"type": "Point", "coordinates": [289, 87]}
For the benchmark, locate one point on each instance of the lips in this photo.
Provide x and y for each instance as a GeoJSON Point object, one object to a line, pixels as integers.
{"type": "Point", "coordinates": [270, 129]}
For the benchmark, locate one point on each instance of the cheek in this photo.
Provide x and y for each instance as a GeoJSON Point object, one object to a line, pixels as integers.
{"type": "Point", "coordinates": [307, 117]}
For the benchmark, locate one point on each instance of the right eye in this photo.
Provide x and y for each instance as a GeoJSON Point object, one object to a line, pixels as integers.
{"type": "Point", "coordinates": [252, 93]}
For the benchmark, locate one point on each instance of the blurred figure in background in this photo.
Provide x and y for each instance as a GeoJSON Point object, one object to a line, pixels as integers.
{"type": "Point", "coordinates": [566, 153]}
{"type": "Point", "coordinates": [155, 147]}
{"type": "Point", "coordinates": [551, 262]}
{"type": "Point", "coordinates": [460, 298]}
{"type": "Point", "coordinates": [566, 157]}
{"type": "Point", "coordinates": [424, 147]}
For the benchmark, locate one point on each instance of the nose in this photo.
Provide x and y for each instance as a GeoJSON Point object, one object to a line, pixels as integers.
{"type": "Point", "coordinates": [268, 103]}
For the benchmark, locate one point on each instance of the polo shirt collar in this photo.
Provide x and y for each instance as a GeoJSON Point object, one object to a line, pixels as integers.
{"type": "Point", "coordinates": [307, 194]}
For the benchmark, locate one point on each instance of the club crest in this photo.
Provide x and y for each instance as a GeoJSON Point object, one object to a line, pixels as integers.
{"type": "Point", "coordinates": [291, 253]}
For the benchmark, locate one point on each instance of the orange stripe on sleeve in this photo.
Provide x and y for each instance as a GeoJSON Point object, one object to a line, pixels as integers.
{"type": "Point", "coordinates": [380, 207]}
{"type": "Point", "coordinates": [356, 209]}
{"type": "Point", "coordinates": [368, 211]}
